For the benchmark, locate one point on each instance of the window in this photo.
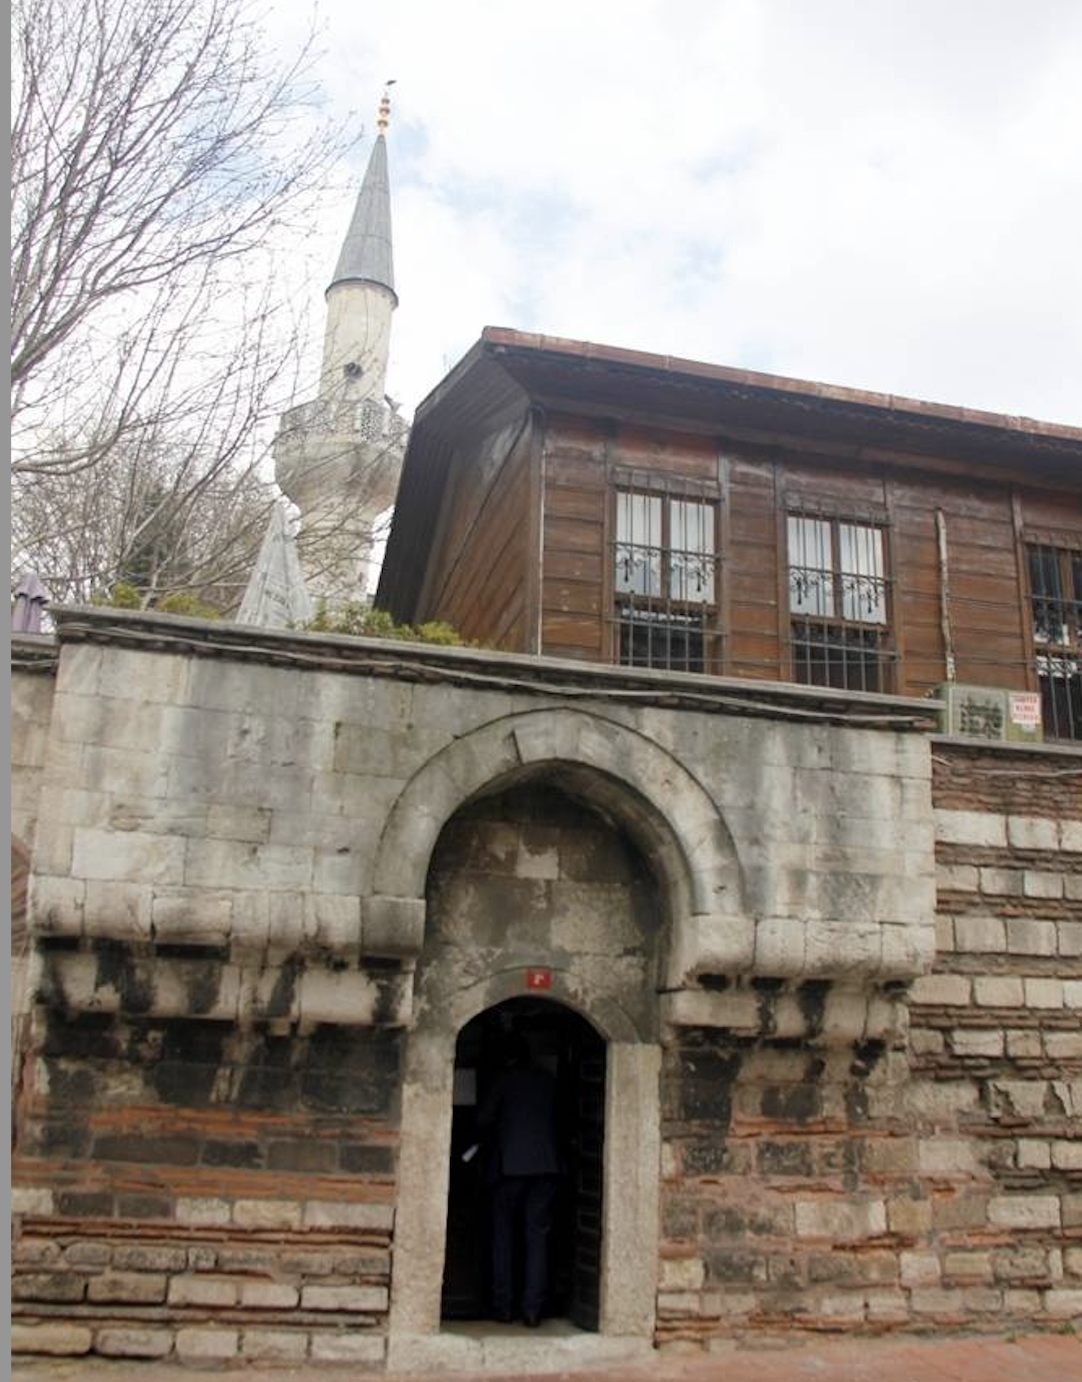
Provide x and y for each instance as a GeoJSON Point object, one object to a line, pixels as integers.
{"type": "Point", "coordinates": [665, 573]}
{"type": "Point", "coordinates": [838, 609]}
{"type": "Point", "coordinates": [1055, 585]}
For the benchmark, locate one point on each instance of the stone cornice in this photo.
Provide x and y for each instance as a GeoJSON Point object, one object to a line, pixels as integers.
{"type": "Point", "coordinates": [482, 668]}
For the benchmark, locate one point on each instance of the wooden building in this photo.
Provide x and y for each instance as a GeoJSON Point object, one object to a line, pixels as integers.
{"type": "Point", "coordinates": [805, 959]}
{"type": "Point", "coordinates": [579, 501]}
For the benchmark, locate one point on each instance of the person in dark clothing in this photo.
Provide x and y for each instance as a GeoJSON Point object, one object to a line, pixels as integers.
{"type": "Point", "coordinates": [519, 1120]}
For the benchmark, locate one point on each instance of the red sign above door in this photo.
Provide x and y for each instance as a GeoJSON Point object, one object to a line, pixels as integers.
{"type": "Point", "coordinates": [539, 978]}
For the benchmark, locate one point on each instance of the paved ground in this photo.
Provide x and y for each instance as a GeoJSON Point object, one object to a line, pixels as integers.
{"type": "Point", "coordinates": [1034, 1358]}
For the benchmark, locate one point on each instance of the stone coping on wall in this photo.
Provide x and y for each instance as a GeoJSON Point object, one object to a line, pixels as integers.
{"type": "Point", "coordinates": [481, 667]}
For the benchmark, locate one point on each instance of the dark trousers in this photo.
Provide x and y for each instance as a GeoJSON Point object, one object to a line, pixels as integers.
{"type": "Point", "coordinates": [526, 1202]}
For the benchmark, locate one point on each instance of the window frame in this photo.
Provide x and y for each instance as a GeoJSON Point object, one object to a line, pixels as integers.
{"type": "Point", "coordinates": [870, 638]}
{"type": "Point", "coordinates": [1067, 550]}
{"type": "Point", "coordinates": [669, 614]}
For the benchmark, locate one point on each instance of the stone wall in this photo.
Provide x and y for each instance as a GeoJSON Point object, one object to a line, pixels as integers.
{"type": "Point", "coordinates": [32, 685]}
{"type": "Point", "coordinates": [917, 1182]}
{"type": "Point", "coordinates": [249, 980]}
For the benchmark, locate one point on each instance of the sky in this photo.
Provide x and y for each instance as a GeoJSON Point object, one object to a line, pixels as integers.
{"type": "Point", "coordinates": [882, 195]}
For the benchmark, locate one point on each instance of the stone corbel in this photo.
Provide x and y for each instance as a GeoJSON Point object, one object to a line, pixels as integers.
{"type": "Point", "coordinates": [392, 927]}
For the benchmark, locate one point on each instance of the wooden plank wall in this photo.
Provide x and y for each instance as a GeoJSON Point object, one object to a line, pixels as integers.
{"type": "Point", "coordinates": [482, 581]}
{"type": "Point", "coordinates": [485, 590]}
{"type": "Point", "coordinates": [579, 456]}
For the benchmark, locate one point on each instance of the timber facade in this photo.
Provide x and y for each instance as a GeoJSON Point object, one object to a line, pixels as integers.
{"type": "Point", "coordinates": [801, 941]}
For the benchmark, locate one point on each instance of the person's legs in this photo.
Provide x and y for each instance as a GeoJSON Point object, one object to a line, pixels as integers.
{"type": "Point", "coordinates": [540, 1194]}
{"type": "Point", "coordinates": [506, 1199]}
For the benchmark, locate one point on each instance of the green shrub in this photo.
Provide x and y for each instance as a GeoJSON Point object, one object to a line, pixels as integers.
{"type": "Point", "coordinates": [363, 621]}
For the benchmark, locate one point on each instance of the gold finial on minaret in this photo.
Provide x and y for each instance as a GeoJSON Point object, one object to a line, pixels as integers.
{"type": "Point", "coordinates": [383, 119]}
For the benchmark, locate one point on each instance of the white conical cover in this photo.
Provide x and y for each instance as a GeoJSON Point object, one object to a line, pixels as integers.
{"type": "Point", "coordinates": [277, 597]}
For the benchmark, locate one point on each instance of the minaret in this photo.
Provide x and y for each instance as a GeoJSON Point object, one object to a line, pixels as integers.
{"type": "Point", "coordinates": [339, 457]}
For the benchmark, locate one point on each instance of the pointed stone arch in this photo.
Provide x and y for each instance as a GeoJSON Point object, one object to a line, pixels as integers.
{"type": "Point", "coordinates": [666, 810]}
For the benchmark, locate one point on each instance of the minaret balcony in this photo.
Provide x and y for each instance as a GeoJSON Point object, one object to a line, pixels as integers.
{"type": "Point", "coordinates": [367, 420]}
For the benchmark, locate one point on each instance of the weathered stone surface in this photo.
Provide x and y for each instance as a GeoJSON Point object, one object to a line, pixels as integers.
{"type": "Point", "coordinates": [194, 1344]}
{"type": "Point", "coordinates": [118, 1342]}
{"type": "Point", "coordinates": [58, 1339]}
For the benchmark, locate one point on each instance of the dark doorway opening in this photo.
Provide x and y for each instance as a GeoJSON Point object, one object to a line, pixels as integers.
{"type": "Point", "coordinates": [571, 1050]}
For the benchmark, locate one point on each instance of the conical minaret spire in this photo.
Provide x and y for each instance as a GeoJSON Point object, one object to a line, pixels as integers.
{"type": "Point", "coordinates": [367, 255]}
{"type": "Point", "coordinates": [339, 457]}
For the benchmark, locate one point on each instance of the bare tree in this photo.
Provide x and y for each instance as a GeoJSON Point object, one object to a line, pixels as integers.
{"type": "Point", "coordinates": [160, 166]}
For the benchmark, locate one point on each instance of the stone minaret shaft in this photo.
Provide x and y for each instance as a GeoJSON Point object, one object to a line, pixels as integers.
{"type": "Point", "coordinates": [339, 457]}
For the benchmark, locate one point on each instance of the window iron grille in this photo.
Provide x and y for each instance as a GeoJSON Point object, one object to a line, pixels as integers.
{"type": "Point", "coordinates": [1055, 581]}
{"type": "Point", "coordinates": [666, 573]}
{"type": "Point", "coordinates": [839, 602]}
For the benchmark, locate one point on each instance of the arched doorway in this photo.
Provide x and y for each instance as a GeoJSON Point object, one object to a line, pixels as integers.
{"type": "Point", "coordinates": [564, 1044]}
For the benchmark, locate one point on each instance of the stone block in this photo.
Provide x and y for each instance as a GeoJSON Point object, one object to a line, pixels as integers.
{"type": "Point", "coordinates": [1044, 993]}
{"type": "Point", "coordinates": [907, 950]}
{"type": "Point", "coordinates": [983, 828]}
{"type": "Point", "coordinates": [342, 997]}
{"type": "Point", "coordinates": [56, 904]}
{"type": "Point", "coordinates": [199, 916]}
{"type": "Point", "coordinates": [67, 1287]}
{"type": "Point", "coordinates": [979, 1043]}
{"type": "Point", "coordinates": [919, 1268]}
{"type": "Point", "coordinates": [195, 1344]}
{"type": "Point", "coordinates": [1024, 1098]}
{"type": "Point", "coordinates": [283, 1214]}
{"type": "Point", "coordinates": [348, 1348]}
{"type": "Point", "coordinates": [779, 947]}
{"type": "Point", "coordinates": [1070, 938]}
{"type": "Point", "coordinates": [710, 945]}
{"type": "Point", "coordinates": [1063, 1045]}
{"type": "Point", "coordinates": [120, 911]}
{"type": "Point", "coordinates": [957, 878]}
{"type": "Point", "coordinates": [1028, 937]}
{"type": "Point", "coordinates": [268, 1295]}
{"type": "Point", "coordinates": [1063, 1304]}
{"type": "Point", "coordinates": [353, 1299]}
{"type": "Point", "coordinates": [284, 1345]}
{"type": "Point", "coordinates": [947, 1156]}
{"type": "Point", "coordinates": [393, 926]}
{"type": "Point", "coordinates": [968, 1266]}
{"type": "Point", "coordinates": [1024, 1212]}
{"type": "Point", "coordinates": [682, 1274]}
{"type": "Point", "coordinates": [1033, 1154]}
{"type": "Point", "coordinates": [122, 1342]}
{"type": "Point", "coordinates": [941, 990]}
{"type": "Point", "coordinates": [1072, 993]}
{"type": "Point", "coordinates": [1072, 887]}
{"type": "Point", "coordinates": [1032, 832]}
{"type": "Point", "coordinates": [55, 1339]}
{"type": "Point", "coordinates": [1023, 1042]}
{"type": "Point", "coordinates": [202, 1211]}
{"type": "Point", "coordinates": [135, 1288]}
{"type": "Point", "coordinates": [943, 1304]}
{"type": "Point", "coordinates": [840, 1220]}
{"type": "Point", "coordinates": [980, 934]}
{"type": "Point", "coordinates": [338, 1214]}
{"type": "Point", "coordinates": [234, 864]}
{"type": "Point", "coordinates": [213, 1292]}
{"type": "Point", "coordinates": [110, 855]}
{"type": "Point", "coordinates": [151, 1258]}
{"type": "Point", "coordinates": [912, 1218]}
{"type": "Point", "coordinates": [1067, 1155]}
{"type": "Point", "coordinates": [1041, 883]}
{"type": "Point", "coordinates": [1001, 882]}
{"type": "Point", "coordinates": [1070, 837]}
{"type": "Point", "coordinates": [999, 991]}
{"type": "Point", "coordinates": [31, 1199]}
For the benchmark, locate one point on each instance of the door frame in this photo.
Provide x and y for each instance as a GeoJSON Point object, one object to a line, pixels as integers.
{"type": "Point", "coordinates": [631, 1159]}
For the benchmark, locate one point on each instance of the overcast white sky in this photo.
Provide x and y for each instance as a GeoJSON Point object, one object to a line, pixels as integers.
{"type": "Point", "coordinates": [885, 194]}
